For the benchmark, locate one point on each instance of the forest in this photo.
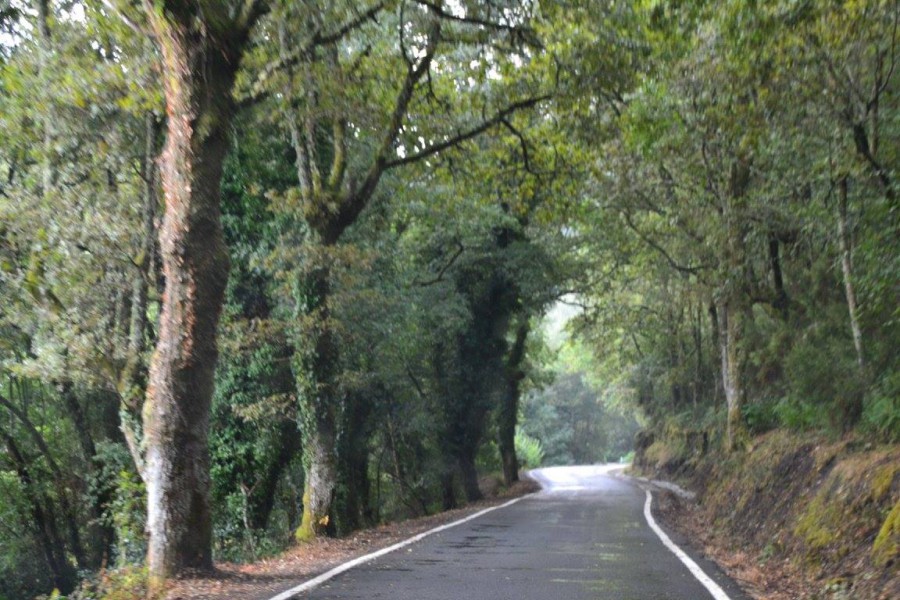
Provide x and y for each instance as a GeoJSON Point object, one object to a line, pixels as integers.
{"type": "Point", "coordinates": [274, 270]}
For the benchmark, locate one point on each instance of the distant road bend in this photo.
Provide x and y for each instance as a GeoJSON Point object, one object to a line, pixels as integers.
{"type": "Point", "coordinates": [584, 536]}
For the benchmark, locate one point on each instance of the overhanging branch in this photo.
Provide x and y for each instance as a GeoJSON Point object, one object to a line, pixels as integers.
{"type": "Point", "coordinates": [462, 136]}
{"type": "Point", "coordinates": [318, 38]}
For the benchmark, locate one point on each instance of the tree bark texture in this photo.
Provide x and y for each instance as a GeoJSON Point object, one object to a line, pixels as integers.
{"type": "Point", "coordinates": [734, 308]}
{"type": "Point", "coordinates": [733, 356]}
{"type": "Point", "coordinates": [469, 473]}
{"type": "Point", "coordinates": [200, 55]}
{"type": "Point", "coordinates": [321, 477]}
{"type": "Point", "coordinates": [319, 403]}
{"type": "Point", "coordinates": [288, 444]}
{"type": "Point", "coordinates": [352, 509]}
{"type": "Point", "coordinates": [132, 383]}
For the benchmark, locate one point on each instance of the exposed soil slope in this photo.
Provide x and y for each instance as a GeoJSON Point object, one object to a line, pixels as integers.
{"type": "Point", "coordinates": [795, 517]}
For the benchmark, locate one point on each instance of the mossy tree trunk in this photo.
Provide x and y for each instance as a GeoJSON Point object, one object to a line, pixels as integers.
{"type": "Point", "coordinates": [200, 51]}
{"type": "Point", "coordinates": [734, 305]}
{"type": "Point", "coordinates": [132, 379]}
{"type": "Point", "coordinates": [732, 321]}
{"type": "Point", "coordinates": [319, 403]}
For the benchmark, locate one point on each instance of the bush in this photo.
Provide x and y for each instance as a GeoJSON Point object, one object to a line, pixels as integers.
{"type": "Point", "coordinates": [128, 514]}
{"type": "Point", "coordinates": [823, 380]}
{"type": "Point", "coordinates": [126, 583]}
{"type": "Point", "coordinates": [800, 415]}
{"type": "Point", "coordinates": [881, 410]}
{"type": "Point", "coordinates": [761, 416]}
{"type": "Point", "coordinates": [529, 451]}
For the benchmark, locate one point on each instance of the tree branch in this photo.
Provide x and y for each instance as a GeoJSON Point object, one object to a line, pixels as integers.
{"type": "Point", "coordinates": [463, 136]}
{"type": "Point", "coordinates": [252, 11]}
{"type": "Point", "coordinates": [318, 38]}
{"type": "Point", "coordinates": [440, 276]}
{"type": "Point", "coordinates": [34, 434]}
{"type": "Point", "coordinates": [653, 244]}
{"type": "Point", "coordinates": [110, 5]}
{"type": "Point", "coordinates": [524, 33]}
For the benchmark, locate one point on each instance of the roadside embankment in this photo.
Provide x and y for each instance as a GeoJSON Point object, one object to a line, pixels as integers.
{"type": "Point", "coordinates": [796, 516]}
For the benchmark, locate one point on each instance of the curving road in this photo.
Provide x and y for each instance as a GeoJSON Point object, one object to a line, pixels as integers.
{"type": "Point", "coordinates": [584, 536]}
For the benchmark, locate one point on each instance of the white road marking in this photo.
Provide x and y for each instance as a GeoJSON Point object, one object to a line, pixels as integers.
{"type": "Point", "coordinates": [317, 581]}
{"type": "Point", "coordinates": [717, 592]}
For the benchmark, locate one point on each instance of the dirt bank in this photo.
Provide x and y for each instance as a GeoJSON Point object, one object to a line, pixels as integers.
{"type": "Point", "coordinates": [795, 517]}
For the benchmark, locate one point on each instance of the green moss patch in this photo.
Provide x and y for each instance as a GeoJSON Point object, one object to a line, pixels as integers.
{"type": "Point", "coordinates": [886, 549]}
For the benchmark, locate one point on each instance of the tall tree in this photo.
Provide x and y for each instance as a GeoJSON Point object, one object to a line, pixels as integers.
{"type": "Point", "coordinates": [337, 65]}
{"type": "Point", "coordinates": [201, 45]}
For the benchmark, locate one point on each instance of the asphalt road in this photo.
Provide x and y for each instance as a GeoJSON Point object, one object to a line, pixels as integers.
{"type": "Point", "coordinates": [583, 537]}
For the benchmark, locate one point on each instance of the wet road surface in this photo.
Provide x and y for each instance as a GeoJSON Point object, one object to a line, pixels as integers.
{"type": "Point", "coordinates": [583, 537]}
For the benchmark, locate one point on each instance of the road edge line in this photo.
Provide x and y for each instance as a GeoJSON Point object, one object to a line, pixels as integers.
{"type": "Point", "coordinates": [361, 560]}
{"type": "Point", "coordinates": [711, 586]}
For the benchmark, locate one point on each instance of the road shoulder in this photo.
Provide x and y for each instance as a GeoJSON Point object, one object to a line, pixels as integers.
{"type": "Point", "coordinates": [267, 578]}
{"type": "Point", "coordinates": [669, 509]}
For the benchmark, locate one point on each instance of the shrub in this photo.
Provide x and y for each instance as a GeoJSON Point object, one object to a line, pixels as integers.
{"type": "Point", "coordinates": [881, 410]}
{"type": "Point", "coordinates": [529, 450]}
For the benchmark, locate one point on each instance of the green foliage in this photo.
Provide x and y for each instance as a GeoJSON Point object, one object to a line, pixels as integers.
{"type": "Point", "coordinates": [529, 451]}
{"type": "Point", "coordinates": [881, 412]}
{"type": "Point", "coordinates": [820, 371]}
{"type": "Point", "coordinates": [763, 415]}
{"type": "Point", "coordinates": [123, 583]}
{"type": "Point", "coordinates": [578, 419]}
{"type": "Point", "coordinates": [670, 162]}
{"type": "Point", "coordinates": [126, 510]}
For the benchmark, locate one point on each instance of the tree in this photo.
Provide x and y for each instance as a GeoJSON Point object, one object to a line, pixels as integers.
{"type": "Point", "coordinates": [201, 50]}
{"type": "Point", "coordinates": [419, 46]}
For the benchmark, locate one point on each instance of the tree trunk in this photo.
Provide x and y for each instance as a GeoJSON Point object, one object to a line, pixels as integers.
{"type": "Point", "coordinates": [351, 507]}
{"type": "Point", "coordinates": [509, 410]}
{"type": "Point", "coordinates": [469, 475]}
{"type": "Point", "coordinates": [448, 490]}
{"type": "Point", "coordinates": [847, 270]}
{"type": "Point", "coordinates": [321, 477]}
{"type": "Point", "coordinates": [102, 535]}
{"type": "Point", "coordinates": [288, 443]}
{"type": "Point", "coordinates": [734, 309]}
{"type": "Point", "coordinates": [716, 347]}
{"type": "Point", "coordinates": [63, 482]}
{"type": "Point", "coordinates": [45, 54]}
{"type": "Point", "coordinates": [200, 56]}
{"type": "Point", "coordinates": [132, 384]}
{"type": "Point", "coordinates": [733, 355]}
{"type": "Point", "coordinates": [782, 302]}
{"type": "Point", "coordinates": [319, 401]}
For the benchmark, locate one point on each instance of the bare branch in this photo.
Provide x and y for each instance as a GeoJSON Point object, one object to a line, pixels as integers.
{"type": "Point", "coordinates": [33, 433]}
{"type": "Point", "coordinates": [523, 144]}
